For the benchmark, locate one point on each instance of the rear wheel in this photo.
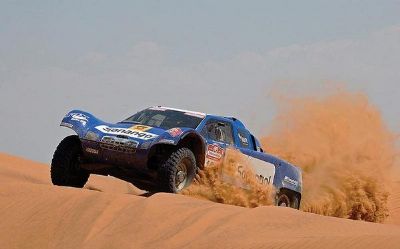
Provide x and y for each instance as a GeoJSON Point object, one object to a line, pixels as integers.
{"type": "Point", "coordinates": [65, 166]}
{"type": "Point", "coordinates": [287, 198]}
{"type": "Point", "coordinates": [178, 171]}
{"type": "Point", "coordinates": [283, 201]}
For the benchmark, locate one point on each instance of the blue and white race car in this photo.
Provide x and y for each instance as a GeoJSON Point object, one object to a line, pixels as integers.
{"type": "Point", "coordinates": [161, 149]}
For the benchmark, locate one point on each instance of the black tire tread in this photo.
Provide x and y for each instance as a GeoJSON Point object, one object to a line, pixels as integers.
{"type": "Point", "coordinates": [167, 170]}
{"type": "Point", "coordinates": [291, 196]}
{"type": "Point", "coordinates": [67, 151]}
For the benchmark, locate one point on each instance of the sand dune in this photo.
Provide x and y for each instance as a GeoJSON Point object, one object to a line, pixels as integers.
{"type": "Point", "coordinates": [35, 214]}
{"type": "Point", "coordinates": [394, 199]}
{"type": "Point", "coordinates": [394, 206]}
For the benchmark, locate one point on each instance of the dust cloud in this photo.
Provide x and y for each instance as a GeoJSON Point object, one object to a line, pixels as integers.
{"type": "Point", "coordinates": [344, 148]}
{"type": "Point", "coordinates": [340, 142]}
{"type": "Point", "coordinates": [221, 182]}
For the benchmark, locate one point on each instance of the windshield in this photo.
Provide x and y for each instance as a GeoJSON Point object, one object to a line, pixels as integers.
{"type": "Point", "coordinates": [165, 118]}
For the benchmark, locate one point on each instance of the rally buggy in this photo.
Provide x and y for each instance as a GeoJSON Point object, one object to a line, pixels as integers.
{"type": "Point", "coordinates": [161, 149]}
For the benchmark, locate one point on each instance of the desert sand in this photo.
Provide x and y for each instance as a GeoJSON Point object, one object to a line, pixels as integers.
{"type": "Point", "coordinates": [110, 213]}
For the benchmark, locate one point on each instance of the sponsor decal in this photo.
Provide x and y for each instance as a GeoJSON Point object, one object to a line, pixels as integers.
{"type": "Point", "coordinates": [140, 128]}
{"type": "Point", "coordinates": [67, 125]}
{"type": "Point", "coordinates": [92, 151]}
{"type": "Point", "coordinates": [215, 152]}
{"type": "Point", "coordinates": [174, 132]}
{"type": "Point", "coordinates": [260, 178]}
{"type": "Point", "coordinates": [291, 181]}
{"type": "Point", "coordinates": [81, 118]}
{"type": "Point", "coordinates": [242, 172]}
{"type": "Point", "coordinates": [127, 132]}
{"type": "Point", "coordinates": [166, 141]}
{"type": "Point", "coordinates": [263, 180]}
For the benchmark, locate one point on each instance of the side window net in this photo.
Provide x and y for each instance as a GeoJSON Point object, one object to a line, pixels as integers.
{"type": "Point", "coordinates": [218, 131]}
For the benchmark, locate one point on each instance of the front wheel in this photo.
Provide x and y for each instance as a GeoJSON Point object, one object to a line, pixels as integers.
{"type": "Point", "coordinates": [178, 171]}
{"type": "Point", "coordinates": [65, 166]}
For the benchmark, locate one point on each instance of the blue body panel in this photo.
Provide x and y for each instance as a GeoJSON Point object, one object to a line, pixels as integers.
{"type": "Point", "coordinates": [286, 176]}
{"type": "Point", "coordinates": [97, 136]}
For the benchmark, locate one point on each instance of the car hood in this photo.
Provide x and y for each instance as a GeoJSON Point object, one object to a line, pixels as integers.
{"type": "Point", "coordinates": [89, 127]}
{"type": "Point", "coordinates": [137, 132]}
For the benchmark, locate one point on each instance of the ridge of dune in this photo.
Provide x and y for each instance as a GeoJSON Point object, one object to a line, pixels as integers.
{"type": "Point", "coordinates": [36, 214]}
{"type": "Point", "coordinates": [394, 198]}
{"type": "Point", "coordinates": [17, 169]}
{"type": "Point", "coordinates": [394, 206]}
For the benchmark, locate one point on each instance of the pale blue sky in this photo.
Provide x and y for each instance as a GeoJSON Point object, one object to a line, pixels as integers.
{"type": "Point", "coordinates": [113, 58]}
{"type": "Point", "coordinates": [190, 30]}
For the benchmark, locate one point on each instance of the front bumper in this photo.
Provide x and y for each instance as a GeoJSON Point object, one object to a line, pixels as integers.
{"type": "Point", "coordinates": [114, 151]}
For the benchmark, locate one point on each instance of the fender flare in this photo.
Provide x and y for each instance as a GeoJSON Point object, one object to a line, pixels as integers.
{"type": "Point", "coordinates": [79, 121]}
{"type": "Point", "coordinates": [198, 147]}
{"type": "Point", "coordinates": [288, 177]}
{"type": "Point", "coordinates": [186, 139]}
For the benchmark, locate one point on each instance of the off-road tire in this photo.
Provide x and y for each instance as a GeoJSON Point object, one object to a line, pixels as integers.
{"type": "Point", "coordinates": [283, 200]}
{"type": "Point", "coordinates": [65, 166]}
{"type": "Point", "coordinates": [287, 199]}
{"type": "Point", "coordinates": [167, 172]}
